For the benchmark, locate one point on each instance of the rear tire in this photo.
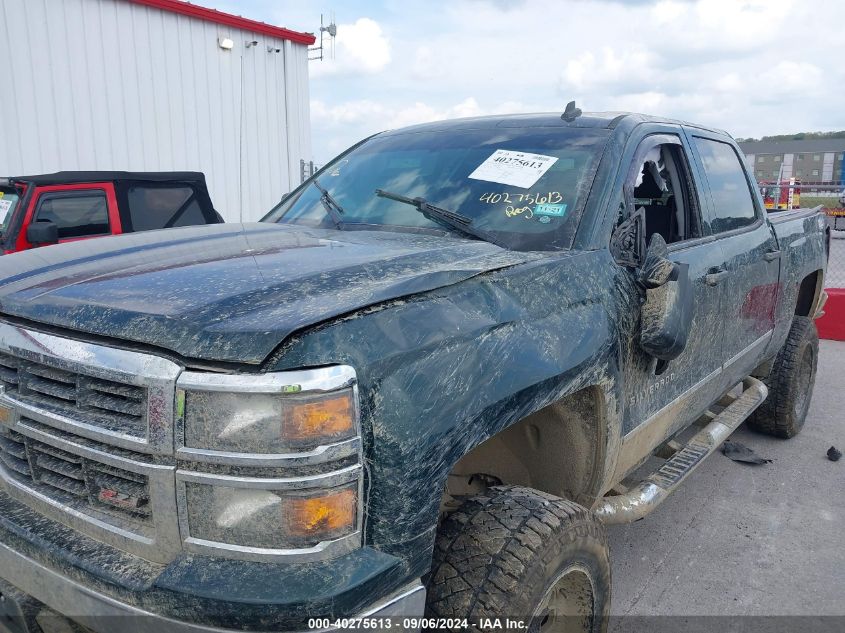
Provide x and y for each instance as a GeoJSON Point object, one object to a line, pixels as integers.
{"type": "Point", "coordinates": [517, 553]}
{"type": "Point", "coordinates": [790, 383]}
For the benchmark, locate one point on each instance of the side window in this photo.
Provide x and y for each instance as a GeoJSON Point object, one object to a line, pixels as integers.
{"type": "Point", "coordinates": [77, 214]}
{"type": "Point", "coordinates": [733, 204]}
{"type": "Point", "coordinates": [662, 187]}
{"type": "Point", "coordinates": [159, 207]}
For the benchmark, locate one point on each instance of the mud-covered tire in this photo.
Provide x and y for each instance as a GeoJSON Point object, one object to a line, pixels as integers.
{"type": "Point", "coordinates": [501, 554]}
{"type": "Point", "coordinates": [790, 383]}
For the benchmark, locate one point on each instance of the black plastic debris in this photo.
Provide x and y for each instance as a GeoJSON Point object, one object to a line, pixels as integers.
{"type": "Point", "coordinates": [833, 454]}
{"type": "Point", "coordinates": [741, 453]}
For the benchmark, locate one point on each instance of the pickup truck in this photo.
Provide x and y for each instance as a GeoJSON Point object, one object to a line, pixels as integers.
{"type": "Point", "coordinates": [77, 205]}
{"type": "Point", "coordinates": [414, 394]}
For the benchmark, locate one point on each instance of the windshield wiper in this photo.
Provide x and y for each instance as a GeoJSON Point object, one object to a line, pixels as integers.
{"type": "Point", "coordinates": [332, 206]}
{"type": "Point", "coordinates": [451, 219]}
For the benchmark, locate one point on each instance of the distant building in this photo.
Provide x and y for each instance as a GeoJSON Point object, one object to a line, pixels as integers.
{"type": "Point", "coordinates": [811, 161]}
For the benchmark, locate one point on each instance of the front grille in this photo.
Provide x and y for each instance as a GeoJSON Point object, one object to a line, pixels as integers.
{"type": "Point", "coordinates": [87, 438]}
{"type": "Point", "coordinates": [77, 481]}
{"type": "Point", "coordinates": [113, 406]}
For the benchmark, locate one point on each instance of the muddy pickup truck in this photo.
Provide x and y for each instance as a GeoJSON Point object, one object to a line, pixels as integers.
{"type": "Point", "coordinates": [412, 397]}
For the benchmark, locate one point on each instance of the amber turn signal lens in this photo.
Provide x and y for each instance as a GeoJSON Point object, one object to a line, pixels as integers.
{"type": "Point", "coordinates": [328, 416]}
{"type": "Point", "coordinates": [322, 518]}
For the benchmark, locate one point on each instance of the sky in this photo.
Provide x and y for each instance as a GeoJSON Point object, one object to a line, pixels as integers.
{"type": "Point", "coordinates": [750, 67]}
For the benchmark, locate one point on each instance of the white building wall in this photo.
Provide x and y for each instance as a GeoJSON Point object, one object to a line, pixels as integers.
{"type": "Point", "coordinates": [827, 166]}
{"type": "Point", "coordinates": [786, 169]}
{"type": "Point", "coordinates": [109, 84]}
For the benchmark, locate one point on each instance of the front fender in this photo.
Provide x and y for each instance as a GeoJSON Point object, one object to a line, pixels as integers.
{"type": "Point", "coordinates": [441, 372]}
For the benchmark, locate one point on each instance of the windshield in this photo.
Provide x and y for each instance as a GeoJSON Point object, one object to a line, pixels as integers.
{"type": "Point", "coordinates": [522, 187]}
{"type": "Point", "coordinates": [8, 200]}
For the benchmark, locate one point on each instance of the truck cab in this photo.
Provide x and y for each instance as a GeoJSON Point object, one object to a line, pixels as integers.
{"type": "Point", "coordinates": [67, 206]}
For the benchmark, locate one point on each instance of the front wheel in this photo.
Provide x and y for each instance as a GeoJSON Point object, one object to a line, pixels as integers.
{"type": "Point", "coordinates": [524, 555]}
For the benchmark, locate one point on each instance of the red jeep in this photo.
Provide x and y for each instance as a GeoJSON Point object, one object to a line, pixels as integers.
{"type": "Point", "coordinates": [76, 205]}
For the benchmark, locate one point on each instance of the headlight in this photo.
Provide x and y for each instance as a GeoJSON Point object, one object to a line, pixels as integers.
{"type": "Point", "coordinates": [270, 464]}
{"type": "Point", "coordinates": [264, 414]}
{"type": "Point", "coordinates": [270, 519]}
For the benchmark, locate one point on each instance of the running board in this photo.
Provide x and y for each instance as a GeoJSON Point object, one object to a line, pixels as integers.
{"type": "Point", "coordinates": [640, 500]}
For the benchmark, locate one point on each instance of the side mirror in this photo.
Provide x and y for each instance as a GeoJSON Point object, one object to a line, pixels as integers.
{"type": "Point", "coordinates": [627, 244]}
{"type": "Point", "coordinates": [42, 233]}
{"type": "Point", "coordinates": [666, 315]}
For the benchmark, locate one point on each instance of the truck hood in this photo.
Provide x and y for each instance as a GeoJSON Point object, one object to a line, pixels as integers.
{"type": "Point", "coordinates": [234, 292]}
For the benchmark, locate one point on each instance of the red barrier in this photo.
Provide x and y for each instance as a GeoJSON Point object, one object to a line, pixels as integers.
{"type": "Point", "coordinates": [832, 324]}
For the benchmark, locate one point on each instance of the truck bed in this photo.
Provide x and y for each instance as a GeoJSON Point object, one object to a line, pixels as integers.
{"type": "Point", "coordinates": [777, 216]}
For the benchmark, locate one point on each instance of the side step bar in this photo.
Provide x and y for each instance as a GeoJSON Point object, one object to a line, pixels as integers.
{"type": "Point", "coordinates": [650, 493]}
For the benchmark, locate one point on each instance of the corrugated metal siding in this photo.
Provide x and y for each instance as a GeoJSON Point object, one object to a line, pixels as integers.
{"type": "Point", "coordinates": [108, 84]}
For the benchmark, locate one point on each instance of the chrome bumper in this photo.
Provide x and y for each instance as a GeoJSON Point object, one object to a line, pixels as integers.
{"type": "Point", "coordinates": [100, 612]}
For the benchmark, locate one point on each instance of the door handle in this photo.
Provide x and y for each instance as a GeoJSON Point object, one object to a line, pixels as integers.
{"type": "Point", "coordinates": [715, 276]}
{"type": "Point", "coordinates": [771, 256]}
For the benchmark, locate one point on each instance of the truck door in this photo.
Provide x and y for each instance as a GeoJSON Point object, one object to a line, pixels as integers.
{"type": "Point", "coordinates": [748, 276]}
{"type": "Point", "coordinates": [658, 398]}
{"type": "Point", "coordinates": [79, 211]}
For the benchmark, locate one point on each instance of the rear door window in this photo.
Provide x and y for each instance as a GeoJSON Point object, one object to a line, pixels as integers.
{"type": "Point", "coordinates": [76, 213]}
{"type": "Point", "coordinates": [733, 204]}
{"type": "Point", "coordinates": [161, 207]}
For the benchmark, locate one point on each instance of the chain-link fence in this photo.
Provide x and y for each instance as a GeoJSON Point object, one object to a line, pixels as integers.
{"type": "Point", "coordinates": [806, 195]}
{"type": "Point", "coordinates": [835, 277]}
{"type": "Point", "coordinates": [831, 196]}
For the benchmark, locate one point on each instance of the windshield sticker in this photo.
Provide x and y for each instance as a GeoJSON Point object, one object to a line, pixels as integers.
{"type": "Point", "coordinates": [5, 205]}
{"type": "Point", "coordinates": [518, 169]}
{"type": "Point", "coordinates": [554, 210]}
{"type": "Point", "coordinates": [525, 212]}
{"type": "Point", "coordinates": [552, 197]}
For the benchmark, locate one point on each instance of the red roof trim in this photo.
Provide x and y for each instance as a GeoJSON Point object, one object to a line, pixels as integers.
{"type": "Point", "coordinates": [227, 19]}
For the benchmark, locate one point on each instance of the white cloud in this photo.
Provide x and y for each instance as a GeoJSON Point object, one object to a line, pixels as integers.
{"type": "Point", "coordinates": [791, 76]}
{"type": "Point", "coordinates": [382, 117]}
{"type": "Point", "coordinates": [424, 63]}
{"type": "Point", "coordinates": [370, 116]}
{"type": "Point", "coordinates": [740, 65]}
{"type": "Point", "coordinates": [360, 47]}
{"type": "Point", "coordinates": [609, 70]}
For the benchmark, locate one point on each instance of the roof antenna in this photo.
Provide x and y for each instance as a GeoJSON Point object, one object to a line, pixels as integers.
{"type": "Point", "coordinates": [571, 113]}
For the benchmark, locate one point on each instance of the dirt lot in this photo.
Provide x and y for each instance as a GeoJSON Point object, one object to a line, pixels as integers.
{"type": "Point", "coordinates": [747, 540]}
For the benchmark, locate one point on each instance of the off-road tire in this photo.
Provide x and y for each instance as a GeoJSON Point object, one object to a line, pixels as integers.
{"type": "Point", "coordinates": [499, 554]}
{"type": "Point", "coordinates": [790, 383]}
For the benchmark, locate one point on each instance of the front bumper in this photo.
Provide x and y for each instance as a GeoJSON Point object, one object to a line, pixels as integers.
{"type": "Point", "coordinates": [104, 614]}
{"type": "Point", "coordinates": [46, 566]}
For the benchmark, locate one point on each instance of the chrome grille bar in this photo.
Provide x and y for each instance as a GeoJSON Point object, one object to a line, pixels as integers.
{"type": "Point", "coordinates": [120, 397]}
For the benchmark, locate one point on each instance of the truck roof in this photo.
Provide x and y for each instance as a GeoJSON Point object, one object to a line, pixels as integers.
{"type": "Point", "coordinates": [74, 177]}
{"type": "Point", "coordinates": [606, 120]}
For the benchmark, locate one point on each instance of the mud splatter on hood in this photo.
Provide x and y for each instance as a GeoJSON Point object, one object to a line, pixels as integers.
{"type": "Point", "coordinates": [230, 292]}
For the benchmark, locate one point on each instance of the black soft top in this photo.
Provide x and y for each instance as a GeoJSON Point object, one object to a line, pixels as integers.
{"type": "Point", "coordinates": [74, 177]}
